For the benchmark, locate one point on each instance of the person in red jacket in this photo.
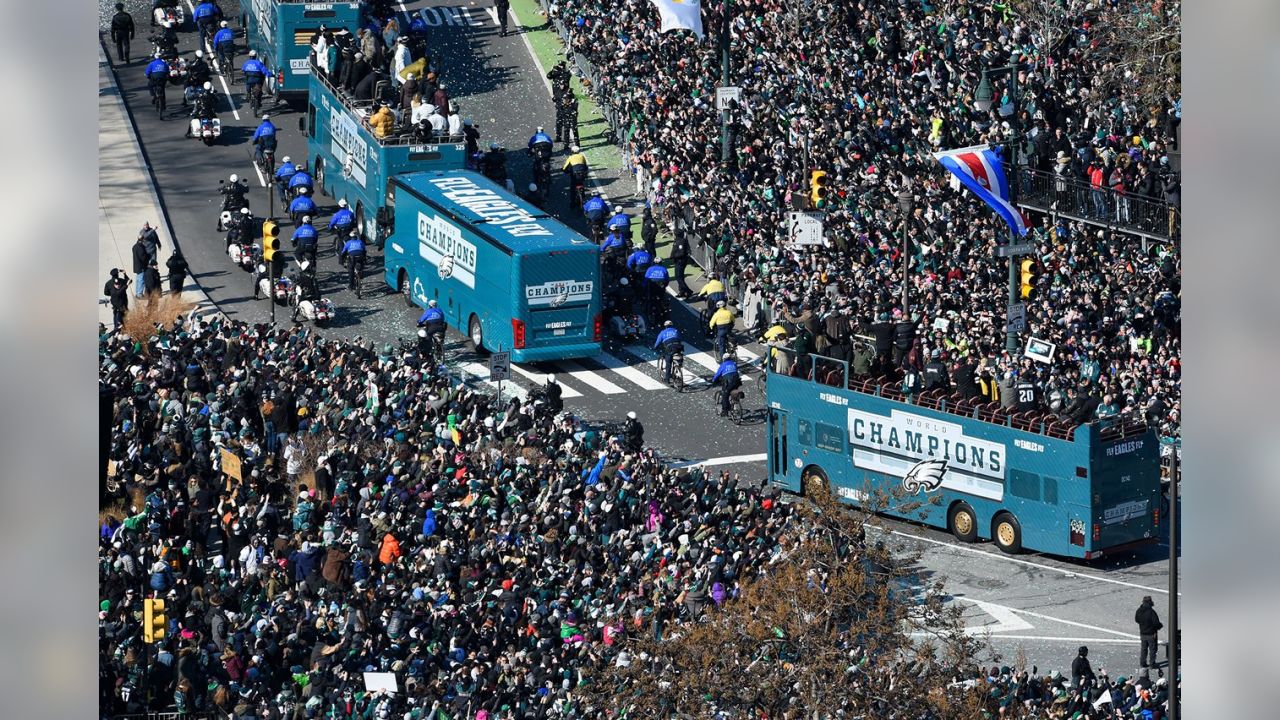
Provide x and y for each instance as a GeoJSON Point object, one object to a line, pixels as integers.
{"type": "Point", "coordinates": [390, 551]}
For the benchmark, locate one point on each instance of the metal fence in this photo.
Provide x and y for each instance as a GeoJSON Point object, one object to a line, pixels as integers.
{"type": "Point", "coordinates": [1049, 193]}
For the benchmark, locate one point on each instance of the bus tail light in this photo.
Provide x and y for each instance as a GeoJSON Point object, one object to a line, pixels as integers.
{"type": "Point", "coordinates": [279, 78]}
{"type": "Point", "coordinates": [1155, 517]}
{"type": "Point", "coordinates": [517, 332]}
{"type": "Point", "coordinates": [1097, 532]}
{"type": "Point", "coordinates": [595, 328]}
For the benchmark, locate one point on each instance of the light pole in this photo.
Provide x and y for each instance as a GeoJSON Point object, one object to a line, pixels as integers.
{"type": "Point", "coordinates": [724, 82]}
{"type": "Point", "coordinates": [1174, 709]}
{"type": "Point", "coordinates": [983, 99]}
{"type": "Point", "coordinates": [904, 206]}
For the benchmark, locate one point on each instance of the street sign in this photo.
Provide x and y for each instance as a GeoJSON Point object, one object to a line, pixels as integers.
{"type": "Point", "coordinates": [805, 228]}
{"type": "Point", "coordinates": [725, 94]}
{"type": "Point", "coordinates": [1017, 321]}
{"type": "Point", "coordinates": [1040, 350]}
{"type": "Point", "coordinates": [500, 366]}
{"type": "Point", "coordinates": [1019, 249]}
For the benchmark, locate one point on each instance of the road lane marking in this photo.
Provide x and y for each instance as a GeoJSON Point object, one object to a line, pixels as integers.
{"type": "Point", "coordinates": [481, 373]}
{"type": "Point", "coordinates": [726, 460]}
{"type": "Point", "coordinates": [628, 372]}
{"type": "Point", "coordinates": [578, 372]}
{"type": "Point", "coordinates": [213, 58]}
{"type": "Point", "coordinates": [691, 378]}
{"type": "Point", "coordinates": [1006, 619]}
{"type": "Point", "coordinates": [566, 391]}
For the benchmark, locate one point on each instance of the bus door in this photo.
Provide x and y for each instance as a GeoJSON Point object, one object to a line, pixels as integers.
{"type": "Point", "coordinates": [780, 465]}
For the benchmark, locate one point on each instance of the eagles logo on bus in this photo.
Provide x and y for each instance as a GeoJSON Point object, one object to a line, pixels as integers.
{"type": "Point", "coordinates": [445, 270]}
{"type": "Point", "coordinates": [925, 475]}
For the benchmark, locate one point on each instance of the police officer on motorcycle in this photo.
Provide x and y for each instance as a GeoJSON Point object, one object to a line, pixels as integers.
{"type": "Point", "coordinates": [301, 206]}
{"type": "Point", "coordinates": [353, 252]}
{"type": "Point", "coordinates": [668, 343]}
{"type": "Point", "coordinates": [233, 196]}
{"type": "Point", "coordinates": [308, 286]}
{"type": "Point", "coordinates": [240, 225]}
{"type": "Point", "coordinates": [728, 378]}
{"type": "Point", "coordinates": [264, 138]}
{"type": "Point", "coordinates": [198, 73]}
{"type": "Point", "coordinates": [202, 104]}
{"type": "Point", "coordinates": [633, 433]}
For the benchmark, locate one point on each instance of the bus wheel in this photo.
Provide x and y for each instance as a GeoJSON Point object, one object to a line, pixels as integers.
{"type": "Point", "coordinates": [814, 483]}
{"type": "Point", "coordinates": [319, 176]}
{"type": "Point", "coordinates": [476, 333]}
{"type": "Point", "coordinates": [360, 217]}
{"type": "Point", "coordinates": [963, 523]}
{"type": "Point", "coordinates": [1007, 532]}
{"type": "Point", "coordinates": [406, 290]}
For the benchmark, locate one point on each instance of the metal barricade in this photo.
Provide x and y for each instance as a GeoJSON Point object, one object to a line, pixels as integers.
{"type": "Point", "coordinates": [1074, 199]}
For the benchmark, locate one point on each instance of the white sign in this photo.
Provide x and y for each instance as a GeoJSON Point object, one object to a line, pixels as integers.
{"type": "Point", "coordinates": [725, 94]}
{"type": "Point", "coordinates": [500, 366]}
{"type": "Point", "coordinates": [558, 292]}
{"type": "Point", "coordinates": [806, 228]}
{"type": "Point", "coordinates": [375, 681]}
{"type": "Point", "coordinates": [927, 453]}
{"type": "Point", "coordinates": [496, 210]}
{"type": "Point", "coordinates": [299, 66]}
{"type": "Point", "coordinates": [1040, 350]}
{"type": "Point", "coordinates": [440, 243]}
{"type": "Point", "coordinates": [347, 145]}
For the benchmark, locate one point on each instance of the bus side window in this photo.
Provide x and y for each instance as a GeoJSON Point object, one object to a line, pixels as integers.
{"type": "Point", "coordinates": [310, 121]}
{"type": "Point", "coordinates": [1051, 490]}
{"type": "Point", "coordinates": [804, 432]}
{"type": "Point", "coordinates": [1024, 485]}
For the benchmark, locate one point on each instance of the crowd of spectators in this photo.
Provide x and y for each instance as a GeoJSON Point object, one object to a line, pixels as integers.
{"type": "Point", "coordinates": [866, 91]}
{"type": "Point", "coordinates": [1084, 696]}
{"type": "Point", "coordinates": [386, 521]}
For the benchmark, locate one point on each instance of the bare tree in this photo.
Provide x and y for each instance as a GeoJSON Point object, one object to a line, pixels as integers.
{"type": "Point", "coordinates": [1138, 49]}
{"type": "Point", "coordinates": [832, 623]}
{"type": "Point", "coordinates": [1047, 21]}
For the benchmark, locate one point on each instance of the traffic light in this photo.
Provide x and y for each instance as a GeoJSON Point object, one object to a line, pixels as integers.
{"type": "Point", "coordinates": [818, 185]}
{"type": "Point", "coordinates": [1028, 277]}
{"type": "Point", "coordinates": [153, 620]}
{"type": "Point", "coordinates": [270, 239]}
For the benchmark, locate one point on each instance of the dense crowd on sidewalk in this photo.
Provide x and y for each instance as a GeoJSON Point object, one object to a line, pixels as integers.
{"type": "Point", "coordinates": [866, 91]}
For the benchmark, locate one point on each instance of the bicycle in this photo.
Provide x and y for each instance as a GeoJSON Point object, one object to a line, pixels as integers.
{"type": "Point", "coordinates": [735, 404]}
{"type": "Point", "coordinates": [677, 370]}
{"type": "Point", "coordinates": [356, 274]}
{"type": "Point", "coordinates": [267, 162]}
{"type": "Point", "coordinates": [255, 98]}
{"type": "Point", "coordinates": [226, 60]}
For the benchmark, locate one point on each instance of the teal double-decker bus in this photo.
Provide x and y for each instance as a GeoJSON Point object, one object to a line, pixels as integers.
{"type": "Point", "coordinates": [509, 276]}
{"type": "Point", "coordinates": [281, 31]}
{"type": "Point", "coordinates": [1024, 480]}
{"type": "Point", "coordinates": [349, 162]}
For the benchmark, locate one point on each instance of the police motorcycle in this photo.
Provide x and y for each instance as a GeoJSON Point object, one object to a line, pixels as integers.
{"type": "Point", "coordinates": [306, 300]}
{"type": "Point", "coordinates": [619, 307]}
{"type": "Point", "coordinates": [244, 252]}
{"type": "Point", "coordinates": [165, 46]}
{"type": "Point", "coordinates": [168, 11]}
{"type": "Point", "coordinates": [540, 149]}
{"type": "Point", "coordinates": [235, 195]}
{"type": "Point", "coordinates": [241, 247]}
{"type": "Point", "coordinates": [280, 291]}
{"type": "Point", "coordinates": [205, 125]}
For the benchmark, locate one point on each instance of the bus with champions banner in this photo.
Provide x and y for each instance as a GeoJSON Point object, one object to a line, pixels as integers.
{"type": "Point", "coordinates": [281, 31]}
{"type": "Point", "coordinates": [1028, 480]}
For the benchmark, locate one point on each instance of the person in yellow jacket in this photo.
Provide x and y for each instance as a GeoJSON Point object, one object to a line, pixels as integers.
{"type": "Point", "coordinates": [382, 122]}
{"type": "Point", "coordinates": [721, 323]}
{"type": "Point", "coordinates": [713, 291]}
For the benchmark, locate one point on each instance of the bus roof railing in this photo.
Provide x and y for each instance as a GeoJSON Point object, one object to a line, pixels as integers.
{"type": "Point", "coordinates": [836, 373]}
{"type": "Point", "coordinates": [354, 106]}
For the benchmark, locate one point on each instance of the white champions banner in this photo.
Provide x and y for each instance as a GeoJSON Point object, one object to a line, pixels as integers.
{"type": "Point", "coordinates": [440, 243]}
{"type": "Point", "coordinates": [680, 15]}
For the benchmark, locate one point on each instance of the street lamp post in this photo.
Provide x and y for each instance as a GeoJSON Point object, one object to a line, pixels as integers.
{"type": "Point", "coordinates": [904, 205]}
{"type": "Point", "coordinates": [983, 99]}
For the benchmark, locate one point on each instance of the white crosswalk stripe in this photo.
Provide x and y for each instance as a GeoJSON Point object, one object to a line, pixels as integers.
{"type": "Point", "coordinates": [691, 379]}
{"type": "Point", "coordinates": [566, 391]}
{"type": "Point", "coordinates": [589, 377]}
{"type": "Point", "coordinates": [481, 372]}
{"type": "Point", "coordinates": [629, 372]}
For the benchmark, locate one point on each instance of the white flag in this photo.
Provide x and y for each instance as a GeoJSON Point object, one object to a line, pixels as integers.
{"type": "Point", "coordinates": [1104, 699]}
{"type": "Point", "coordinates": [680, 14]}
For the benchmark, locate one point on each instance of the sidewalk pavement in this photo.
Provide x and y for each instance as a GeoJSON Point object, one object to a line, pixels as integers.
{"type": "Point", "coordinates": [127, 197]}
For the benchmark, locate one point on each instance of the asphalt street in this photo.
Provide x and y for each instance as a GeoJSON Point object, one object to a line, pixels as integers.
{"type": "Point", "coordinates": [1046, 607]}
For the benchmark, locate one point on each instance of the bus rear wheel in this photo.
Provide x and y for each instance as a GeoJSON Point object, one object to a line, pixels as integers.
{"type": "Point", "coordinates": [406, 291]}
{"type": "Point", "coordinates": [476, 333]}
{"type": "Point", "coordinates": [963, 523]}
{"type": "Point", "coordinates": [814, 483]}
{"type": "Point", "coordinates": [1007, 533]}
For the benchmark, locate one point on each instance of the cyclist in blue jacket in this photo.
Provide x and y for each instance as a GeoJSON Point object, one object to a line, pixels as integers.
{"type": "Point", "coordinates": [343, 221]}
{"type": "Point", "coordinates": [595, 208]}
{"type": "Point", "coordinates": [301, 179]}
{"type": "Point", "coordinates": [668, 343]}
{"type": "Point", "coordinates": [224, 46]}
{"type": "Point", "coordinates": [283, 175]}
{"type": "Point", "coordinates": [206, 15]}
{"type": "Point", "coordinates": [157, 73]}
{"type": "Point", "coordinates": [620, 223]}
{"type": "Point", "coordinates": [729, 380]}
{"type": "Point", "coordinates": [353, 253]}
{"type": "Point", "coordinates": [264, 138]}
{"type": "Point", "coordinates": [302, 205]}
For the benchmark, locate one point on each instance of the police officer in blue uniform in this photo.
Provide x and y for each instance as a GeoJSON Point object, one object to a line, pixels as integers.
{"type": "Point", "coordinates": [224, 46]}
{"type": "Point", "coordinates": [206, 15]}
{"type": "Point", "coordinates": [728, 379]}
{"type": "Point", "coordinates": [620, 223]}
{"type": "Point", "coordinates": [264, 138]}
{"type": "Point", "coordinates": [157, 73]}
{"type": "Point", "coordinates": [283, 175]}
{"type": "Point", "coordinates": [432, 321]}
{"type": "Point", "coordinates": [301, 206]}
{"type": "Point", "coordinates": [540, 144]}
{"type": "Point", "coordinates": [668, 343]}
{"type": "Point", "coordinates": [594, 208]}
{"type": "Point", "coordinates": [353, 253]}
{"type": "Point", "coordinates": [343, 222]}
{"type": "Point", "coordinates": [301, 179]}
{"type": "Point", "coordinates": [305, 241]}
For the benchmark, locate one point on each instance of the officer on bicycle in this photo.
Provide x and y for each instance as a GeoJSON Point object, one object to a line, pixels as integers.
{"type": "Point", "coordinates": [301, 179]}
{"type": "Point", "coordinates": [264, 138]}
{"type": "Point", "coordinates": [283, 175]}
{"type": "Point", "coordinates": [224, 45]}
{"type": "Point", "coordinates": [668, 343]}
{"type": "Point", "coordinates": [655, 286]}
{"type": "Point", "coordinates": [728, 379]}
{"type": "Point", "coordinates": [595, 209]}
{"type": "Point", "coordinates": [301, 206]}
{"type": "Point", "coordinates": [721, 324]}
{"type": "Point", "coordinates": [157, 73]}
{"type": "Point", "coordinates": [433, 320]}
{"type": "Point", "coordinates": [620, 224]}
{"type": "Point", "coordinates": [344, 221]}
{"type": "Point", "coordinates": [255, 73]}
{"type": "Point", "coordinates": [713, 291]}
{"type": "Point", "coordinates": [206, 15]}
{"type": "Point", "coordinates": [305, 241]}
{"type": "Point", "coordinates": [354, 251]}
{"type": "Point", "coordinates": [540, 144]}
